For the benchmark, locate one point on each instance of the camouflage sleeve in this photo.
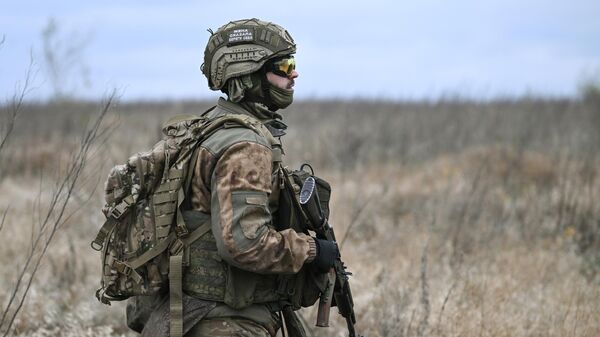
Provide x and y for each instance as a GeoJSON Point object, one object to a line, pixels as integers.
{"type": "Point", "coordinates": [241, 184]}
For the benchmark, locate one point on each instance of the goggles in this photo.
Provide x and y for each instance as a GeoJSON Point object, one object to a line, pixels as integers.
{"type": "Point", "coordinates": [283, 67]}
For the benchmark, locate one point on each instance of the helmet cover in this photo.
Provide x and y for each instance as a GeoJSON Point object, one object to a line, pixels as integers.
{"type": "Point", "coordinates": [242, 47]}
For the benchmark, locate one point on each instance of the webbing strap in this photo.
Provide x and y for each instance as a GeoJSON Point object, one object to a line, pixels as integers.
{"type": "Point", "coordinates": [161, 198]}
{"type": "Point", "coordinates": [169, 185]}
{"type": "Point", "coordinates": [112, 218]}
{"type": "Point", "coordinates": [188, 179]}
{"type": "Point", "coordinates": [162, 209]}
{"type": "Point", "coordinates": [176, 281]}
{"type": "Point", "coordinates": [176, 261]}
{"type": "Point", "coordinates": [176, 294]}
{"type": "Point", "coordinates": [197, 233]}
{"type": "Point", "coordinates": [164, 244]}
{"type": "Point", "coordinates": [163, 220]}
{"type": "Point", "coordinates": [181, 229]}
{"type": "Point", "coordinates": [140, 170]}
{"type": "Point", "coordinates": [107, 227]}
{"type": "Point", "coordinates": [219, 122]}
{"type": "Point", "coordinates": [175, 173]}
{"type": "Point", "coordinates": [277, 154]}
{"type": "Point", "coordinates": [126, 269]}
{"type": "Point", "coordinates": [162, 232]}
{"type": "Point", "coordinates": [152, 252]}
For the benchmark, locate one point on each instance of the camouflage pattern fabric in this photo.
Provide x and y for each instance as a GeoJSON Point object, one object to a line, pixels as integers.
{"type": "Point", "coordinates": [228, 327]}
{"type": "Point", "coordinates": [242, 47]}
{"type": "Point", "coordinates": [237, 195]}
{"type": "Point", "coordinates": [236, 181]}
{"type": "Point", "coordinates": [193, 311]}
{"type": "Point", "coordinates": [257, 313]}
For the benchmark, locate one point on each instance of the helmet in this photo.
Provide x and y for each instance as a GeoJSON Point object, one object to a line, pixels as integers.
{"type": "Point", "coordinates": [242, 47]}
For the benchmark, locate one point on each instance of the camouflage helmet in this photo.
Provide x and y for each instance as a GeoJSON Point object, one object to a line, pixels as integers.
{"type": "Point", "coordinates": [242, 47]}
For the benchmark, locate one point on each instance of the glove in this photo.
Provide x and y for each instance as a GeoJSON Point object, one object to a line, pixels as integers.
{"type": "Point", "coordinates": [327, 252]}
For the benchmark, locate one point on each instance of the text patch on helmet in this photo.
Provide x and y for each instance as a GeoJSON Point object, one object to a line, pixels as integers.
{"type": "Point", "coordinates": [241, 35]}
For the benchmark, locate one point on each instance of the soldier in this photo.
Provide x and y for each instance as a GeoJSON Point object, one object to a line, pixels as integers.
{"type": "Point", "coordinates": [234, 283]}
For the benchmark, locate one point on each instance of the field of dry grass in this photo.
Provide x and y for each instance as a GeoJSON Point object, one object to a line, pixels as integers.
{"type": "Point", "coordinates": [457, 218]}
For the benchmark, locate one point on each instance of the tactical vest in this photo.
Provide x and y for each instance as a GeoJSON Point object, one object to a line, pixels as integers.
{"type": "Point", "coordinates": [208, 277]}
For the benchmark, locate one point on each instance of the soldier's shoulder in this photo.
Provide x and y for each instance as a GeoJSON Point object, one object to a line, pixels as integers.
{"type": "Point", "coordinates": [233, 134]}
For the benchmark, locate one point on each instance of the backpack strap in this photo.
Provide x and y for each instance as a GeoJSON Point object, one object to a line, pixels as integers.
{"type": "Point", "coordinates": [176, 258]}
{"type": "Point", "coordinates": [181, 244]}
{"type": "Point", "coordinates": [176, 280]}
{"type": "Point", "coordinates": [113, 215]}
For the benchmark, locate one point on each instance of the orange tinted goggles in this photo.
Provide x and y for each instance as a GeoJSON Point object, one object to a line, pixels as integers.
{"type": "Point", "coordinates": [283, 67]}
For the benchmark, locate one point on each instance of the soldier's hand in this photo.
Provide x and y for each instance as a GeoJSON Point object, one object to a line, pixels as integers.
{"type": "Point", "coordinates": [327, 253]}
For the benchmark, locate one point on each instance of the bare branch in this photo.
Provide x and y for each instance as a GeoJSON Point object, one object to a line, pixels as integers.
{"type": "Point", "coordinates": [56, 212]}
{"type": "Point", "coordinates": [446, 298]}
{"type": "Point", "coordinates": [482, 307]}
{"type": "Point", "coordinates": [355, 215]}
{"type": "Point", "coordinates": [412, 316]}
{"type": "Point", "coordinates": [424, 324]}
{"type": "Point", "coordinates": [89, 197]}
{"type": "Point", "coordinates": [4, 217]}
{"type": "Point", "coordinates": [16, 103]}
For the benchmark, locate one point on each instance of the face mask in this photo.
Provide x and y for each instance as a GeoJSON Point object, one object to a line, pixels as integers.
{"type": "Point", "coordinates": [280, 98]}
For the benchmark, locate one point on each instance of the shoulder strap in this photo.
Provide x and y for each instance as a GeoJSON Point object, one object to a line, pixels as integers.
{"type": "Point", "coordinates": [179, 244]}
{"type": "Point", "coordinates": [226, 121]}
{"type": "Point", "coordinates": [201, 133]}
{"type": "Point", "coordinates": [176, 281]}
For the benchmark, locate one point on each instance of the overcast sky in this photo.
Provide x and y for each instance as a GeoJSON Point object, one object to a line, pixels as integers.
{"type": "Point", "coordinates": [372, 49]}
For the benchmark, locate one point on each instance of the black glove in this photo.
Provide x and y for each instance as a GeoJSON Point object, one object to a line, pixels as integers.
{"type": "Point", "coordinates": [327, 252]}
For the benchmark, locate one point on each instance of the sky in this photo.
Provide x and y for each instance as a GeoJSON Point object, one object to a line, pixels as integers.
{"type": "Point", "coordinates": [376, 49]}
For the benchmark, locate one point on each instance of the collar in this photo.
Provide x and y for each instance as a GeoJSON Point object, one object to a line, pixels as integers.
{"type": "Point", "coordinates": [272, 120]}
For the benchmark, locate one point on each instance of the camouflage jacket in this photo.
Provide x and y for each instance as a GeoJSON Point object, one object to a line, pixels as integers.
{"type": "Point", "coordinates": [234, 172]}
{"type": "Point", "coordinates": [236, 182]}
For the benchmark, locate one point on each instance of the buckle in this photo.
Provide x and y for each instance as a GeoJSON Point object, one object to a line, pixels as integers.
{"type": "Point", "coordinates": [181, 231]}
{"type": "Point", "coordinates": [281, 177]}
{"type": "Point", "coordinates": [176, 247]}
{"type": "Point", "coordinates": [115, 213]}
{"type": "Point", "coordinates": [118, 211]}
{"type": "Point", "coordinates": [127, 270]}
{"type": "Point", "coordinates": [97, 246]}
{"type": "Point", "coordinates": [122, 268]}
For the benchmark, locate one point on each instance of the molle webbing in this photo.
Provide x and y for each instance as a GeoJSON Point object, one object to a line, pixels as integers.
{"type": "Point", "coordinates": [166, 201]}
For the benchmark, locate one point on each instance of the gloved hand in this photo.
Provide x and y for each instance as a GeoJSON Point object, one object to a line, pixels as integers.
{"type": "Point", "coordinates": [327, 252]}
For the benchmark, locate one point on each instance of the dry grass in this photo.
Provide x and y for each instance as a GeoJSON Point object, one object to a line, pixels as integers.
{"type": "Point", "coordinates": [468, 218]}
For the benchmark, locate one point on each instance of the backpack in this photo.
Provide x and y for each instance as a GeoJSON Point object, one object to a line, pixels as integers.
{"type": "Point", "coordinates": [144, 236]}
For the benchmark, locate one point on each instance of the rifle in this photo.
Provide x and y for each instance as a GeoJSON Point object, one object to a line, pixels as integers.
{"type": "Point", "coordinates": [338, 288]}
